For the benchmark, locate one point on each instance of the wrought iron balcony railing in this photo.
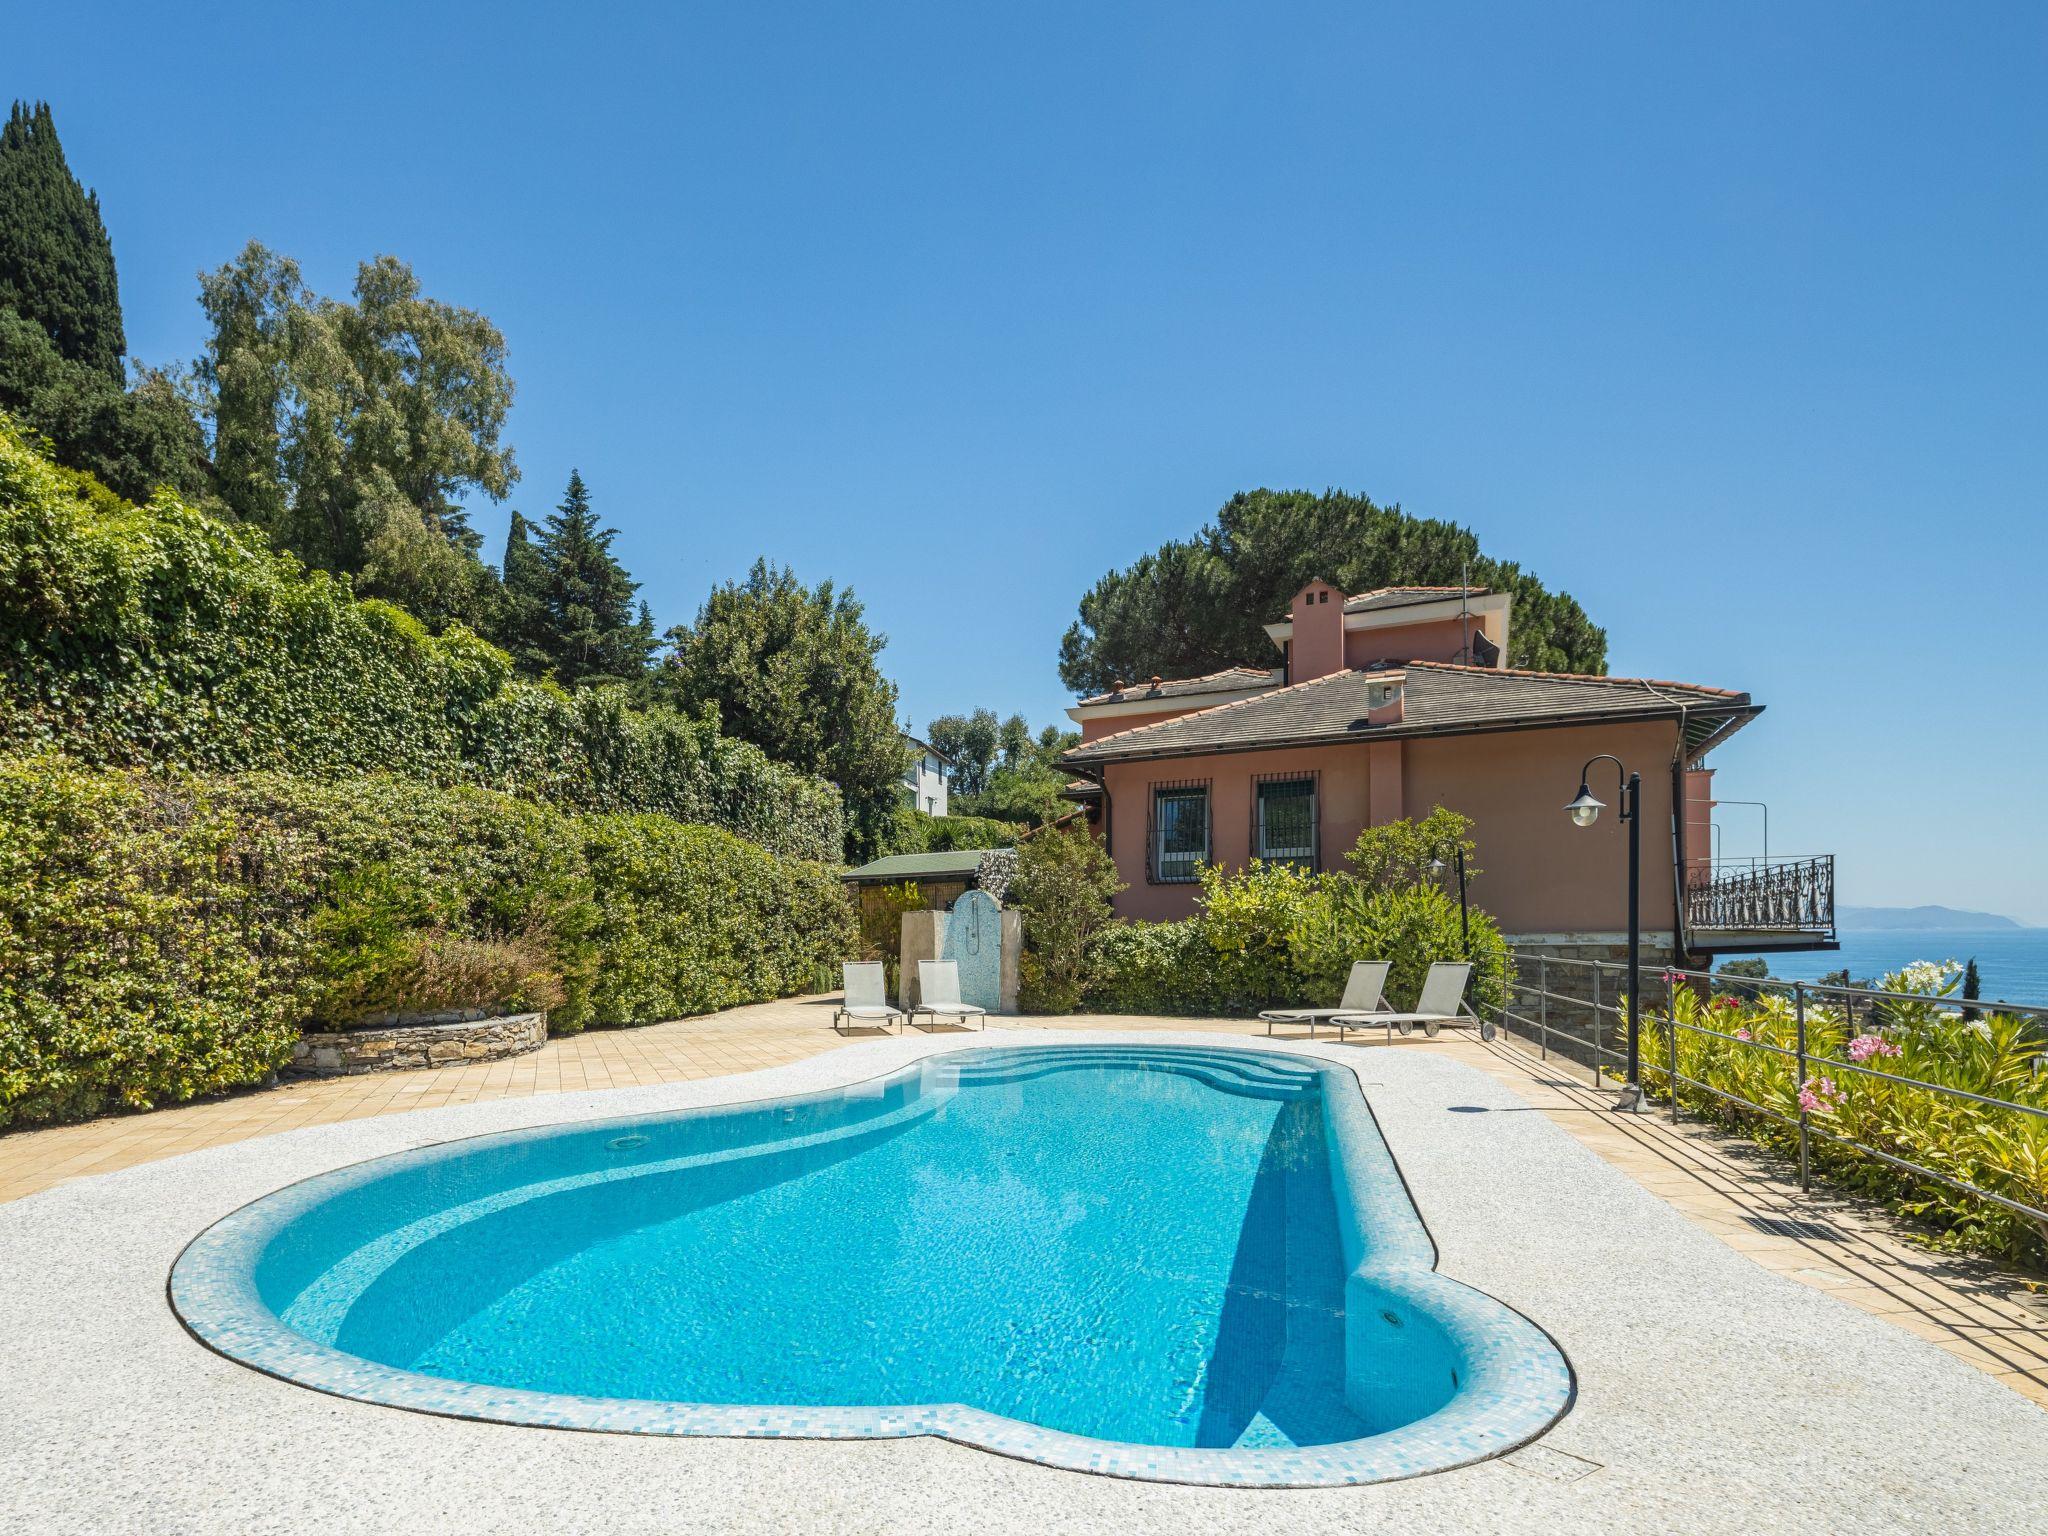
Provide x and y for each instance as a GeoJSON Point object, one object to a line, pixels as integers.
{"type": "Point", "coordinates": [1781, 896]}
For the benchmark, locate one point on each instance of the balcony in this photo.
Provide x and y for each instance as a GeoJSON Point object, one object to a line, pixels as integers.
{"type": "Point", "coordinates": [1757, 904]}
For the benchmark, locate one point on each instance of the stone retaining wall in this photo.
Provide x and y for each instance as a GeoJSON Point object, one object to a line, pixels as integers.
{"type": "Point", "coordinates": [464, 1036]}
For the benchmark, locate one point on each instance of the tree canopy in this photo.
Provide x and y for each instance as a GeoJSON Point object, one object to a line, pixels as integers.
{"type": "Point", "coordinates": [56, 263]}
{"type": "Point", "coordinates": [793, 669]}
{"type": "Point", "coordinates": [999, 768]}
{"type": "Point", "coordinates": [1198, 605]}
{"type": "Point", "coordinates": [61, 338]}
{"type": "Point", "coordinates": [351, 430]}
{"type": "Point", "coordinates": [568, 602]}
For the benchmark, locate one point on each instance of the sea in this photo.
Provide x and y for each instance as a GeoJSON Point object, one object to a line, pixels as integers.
{"type": "Point", "coordinates": [2013, 962]}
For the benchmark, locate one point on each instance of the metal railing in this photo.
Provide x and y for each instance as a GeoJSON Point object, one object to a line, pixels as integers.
{"type": "Point", "coordinates": [1658, 1049]}
{"type": "Point", "coordinates": [1778, 896]}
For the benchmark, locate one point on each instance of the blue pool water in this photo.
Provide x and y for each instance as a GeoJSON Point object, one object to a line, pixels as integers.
{"type": "Point", "coordinates": [1158, 1248]}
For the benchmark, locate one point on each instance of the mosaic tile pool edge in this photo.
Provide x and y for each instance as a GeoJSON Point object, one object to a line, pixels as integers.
{"type": "Point", "coordinates": [1519, 1383]}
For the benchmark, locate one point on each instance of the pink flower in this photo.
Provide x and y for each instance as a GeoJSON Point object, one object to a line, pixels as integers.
{"type": "Point", "coordinates": [1744, 1034]}
{"type": "Point", "coordinates": [1819, 1096]}
{"type": "Point", "coordinates": [1863, 1047]}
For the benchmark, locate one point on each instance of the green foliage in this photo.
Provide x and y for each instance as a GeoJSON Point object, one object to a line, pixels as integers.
{"type": "Point", "coordinates": [910, 830]}
{"type": "Point", "coordinates": [159, 637]}
{"type": "Point", "coordinates": [1272, 936]}
{"type": "Point", "coordinates": [1411, 927]}
{"type": "Point", "coordinates": [148, 947]}
{"type": "Point", "coordinates": [568, 601]}
{"type": "Point", "coordinates": [1195, 606]}
{"type": "Point", "coordinates": [2002, 1151]}
{"type": "Point", "coordinates": [1404, 852]}
{"type": "Point", "coordinates": [56, 263]}
{"type": "Point", "coordinates": [793, 670]}
{"type": "Point", "coordinates": [1063, 885]}
{"type": "Point", "coordinates": [881, 926]}
{"type": "Point", "coordinates": [692, 919]}
{"type": "Point", "coordinates": [165, 937]}
{"type": "Point", "coordinates": [61, 341]}
{"type": "Point", "coordinates": [999, 769]}
{"type": "Point", "coordinates": [1756, 968]}
{"type": "Point", "coordinates": [349, 430]}
{"type": "Point", "coordinates": [132, 440]}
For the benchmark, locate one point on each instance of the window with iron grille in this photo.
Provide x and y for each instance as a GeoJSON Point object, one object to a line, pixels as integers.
{"type": "Point", "coordinates": [1177, 841]}
{"type": "Point", "coordinates": [1284, 819]}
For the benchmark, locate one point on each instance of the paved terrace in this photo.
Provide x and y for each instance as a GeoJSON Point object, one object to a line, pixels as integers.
{"type": "Point", "coordinates": [1714, 1393]}
{"type": "Point", "coordinates": [1848, 1248]}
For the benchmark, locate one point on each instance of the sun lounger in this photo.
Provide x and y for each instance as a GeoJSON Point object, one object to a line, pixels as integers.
{"type": "Point", "coordinates": [1442, 1001]}
{"type": "Point", "coordinates": [867, 997]}
{"type": "Point", "coordinates": [938, 987]}
{"type": "Point", "coordinates": [1364, 992]}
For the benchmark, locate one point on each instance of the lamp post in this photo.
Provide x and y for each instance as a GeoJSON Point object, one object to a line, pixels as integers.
{"type": "Point", "coordinates": [1584, 811]}
{"type": "Point", "coordinates": [1436, 867]}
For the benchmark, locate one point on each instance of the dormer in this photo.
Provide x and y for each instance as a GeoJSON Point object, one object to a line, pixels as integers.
{"type": "Point", "coordinates": [1390, 625]}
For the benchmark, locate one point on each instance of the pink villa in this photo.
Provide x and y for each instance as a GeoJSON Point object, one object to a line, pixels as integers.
{"type": "Point", "coordinates": [1388, 703]}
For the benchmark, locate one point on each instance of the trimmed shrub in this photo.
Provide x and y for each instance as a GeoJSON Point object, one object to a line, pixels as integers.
{"type": "Point", "coordinates": [1063, 884]}
{"type": "Point", "coordinates": [149, 944]}
{"type": "Point", "coordinates": [693, 919]}
{"type": "Point", "coordinates": [162, 938]}
{"type": "Point", "coordinates": [1273, 936]}
{"type": "Point", "coordinates": [159, 637]}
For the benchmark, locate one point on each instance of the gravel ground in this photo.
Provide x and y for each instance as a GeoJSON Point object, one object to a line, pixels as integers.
{"type": "Point", "coordinates": [1714, 1396]}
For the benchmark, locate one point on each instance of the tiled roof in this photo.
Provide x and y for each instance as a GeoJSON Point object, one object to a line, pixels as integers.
{"type": "Point", "coordinates": [1440, 699]}
{"type": "Point", "coordinates": [1405, 597]}
{"type": "Point", "coordinates": [1229, 680]}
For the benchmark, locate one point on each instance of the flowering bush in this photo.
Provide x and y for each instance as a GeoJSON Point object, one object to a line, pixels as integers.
{"type": "Point", "coordinates": [1869, 1084]}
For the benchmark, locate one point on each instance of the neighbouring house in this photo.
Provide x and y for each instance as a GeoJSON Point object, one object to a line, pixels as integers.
{"type": "Point", "coordinates": [925, 779]}
{"type": "Point", "coordinates": [1388, 703]}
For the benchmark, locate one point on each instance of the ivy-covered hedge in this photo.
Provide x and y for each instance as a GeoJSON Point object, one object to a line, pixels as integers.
{"type": "Point", "coordinates": [166, 936]}
{"type": "Point", "coordinates": [1271, 936]}
{"type": "Point", "coordinates": [159, 637]}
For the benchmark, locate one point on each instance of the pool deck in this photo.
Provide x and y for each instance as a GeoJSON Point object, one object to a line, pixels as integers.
{"type": "Point", "coordinates": [1729, 1377]}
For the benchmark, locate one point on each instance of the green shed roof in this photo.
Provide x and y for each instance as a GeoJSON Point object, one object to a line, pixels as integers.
{"type": "Point", "coordinates": [959, 864]}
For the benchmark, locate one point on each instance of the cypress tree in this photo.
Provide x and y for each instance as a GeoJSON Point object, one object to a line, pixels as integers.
{"type": "Point", "coordinates": [56, 263]}
{"type": "Point", "coordinates": [1973, 989]}
{"type": "Point", "coordinates": [522, 615]}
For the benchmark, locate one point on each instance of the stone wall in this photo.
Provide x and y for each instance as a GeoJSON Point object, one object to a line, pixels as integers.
{"type": "Point", "coordinates": [455, 1037]}
{"type": "Point", "coordinates": [1547, 959]}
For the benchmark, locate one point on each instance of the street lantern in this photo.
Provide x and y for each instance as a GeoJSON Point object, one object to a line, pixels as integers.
{"type": "Point", "coordinates": [1584, 811]}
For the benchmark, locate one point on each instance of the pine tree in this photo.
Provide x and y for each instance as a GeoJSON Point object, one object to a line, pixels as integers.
{"type": "Point", "coordinates": [586, 626]}
{"type": "Point", "coordinates": [56, 263]}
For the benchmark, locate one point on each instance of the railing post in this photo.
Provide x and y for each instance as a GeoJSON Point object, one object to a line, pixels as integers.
{"type": "Point", "coordinates": [1671, 1039]}
{"type": "Point", "coordinates": [1543, 1002]}
{"type": "Point", "coordinates": [1799, 1039]}
{"type": "Point", "coordinates": [1599, 1022]}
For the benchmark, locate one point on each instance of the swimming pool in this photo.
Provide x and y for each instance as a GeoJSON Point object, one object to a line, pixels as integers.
{"type": "Point", "coordinates": [1185, 1263]}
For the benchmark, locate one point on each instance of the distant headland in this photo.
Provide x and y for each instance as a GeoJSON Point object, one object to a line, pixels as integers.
{"type": "Point", "coordinates": [1919, 919]}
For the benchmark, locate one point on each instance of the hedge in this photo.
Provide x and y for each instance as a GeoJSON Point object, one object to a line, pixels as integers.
{"type": "Point", "coordinates": [159, 637]}
{"type": "Point", "coordinates": [166, 936]}
{"type": "Point", "coordinates": [1272, 936]}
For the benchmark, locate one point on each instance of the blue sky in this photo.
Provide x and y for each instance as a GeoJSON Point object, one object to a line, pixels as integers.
{"type": "Point", "coordinates": [1730, 320]}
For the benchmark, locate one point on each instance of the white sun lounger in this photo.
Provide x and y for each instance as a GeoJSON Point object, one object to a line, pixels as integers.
{"type": "Point", "coordinates": [938, 989]}
{"type": "Point", "coordinates": [1364, 992]}
{"type": "Point", "coordinates": [867, 997]}
{"type": "Point", "coordinates": [1441, 1002]}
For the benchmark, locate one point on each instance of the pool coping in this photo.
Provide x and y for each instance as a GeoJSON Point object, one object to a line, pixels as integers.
{"type": "Point", "coordinates": [1521, 1382]}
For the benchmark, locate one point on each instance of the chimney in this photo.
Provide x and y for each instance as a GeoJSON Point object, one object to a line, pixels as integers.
{"type": "Point", "coordinates": [1317, 648]}
{"type": "Point", "coordinates": [1386, 698]}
